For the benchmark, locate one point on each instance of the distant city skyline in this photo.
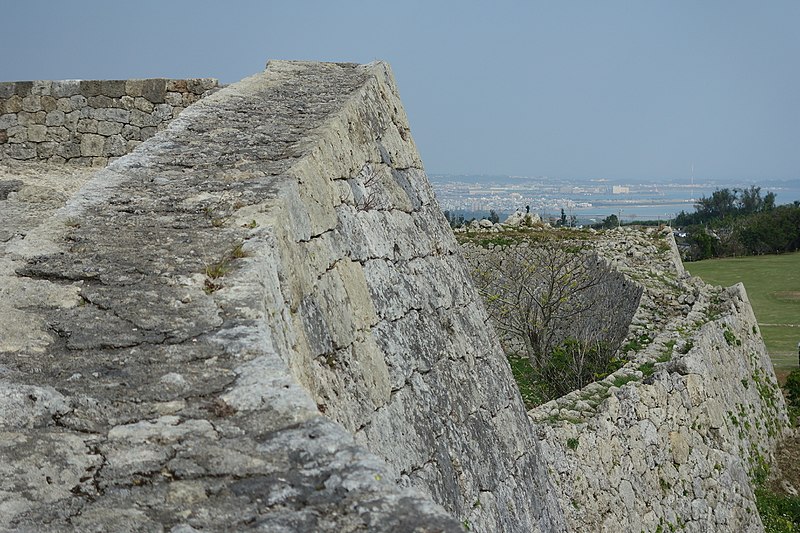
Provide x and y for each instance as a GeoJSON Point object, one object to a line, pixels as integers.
{"type": "Point", "coordinates": [565, 89]}
{"type": "Point", "coordinates": [589, 200]}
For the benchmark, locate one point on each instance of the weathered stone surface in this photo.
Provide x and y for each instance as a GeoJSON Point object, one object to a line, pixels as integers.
{"type": "Point", "coordinates": [92, 145]}
{"type": "Point", "coordinates": [672, 442]}
{"type": "Point", "coordinates": [154, 90]}
{"type": "Point", "coordinates": [79, 105]}
{"type": "Point", "coordinates": [230, 367]}
{"type": "Point", "coordinates": [55, 118]}
{"type": "Point", "coordinates": [37, 133]}
{"type": "Point", "coordinates": [65, 88]}
{"type": "Point", "coordinates": [7, 121]}
{"type": "Point", "coordinates": [111, 88]}
{"type": "Point", "coordinates": [6, 89]}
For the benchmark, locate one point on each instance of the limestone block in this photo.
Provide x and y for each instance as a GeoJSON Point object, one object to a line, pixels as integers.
{"type": "Point", "coordinates": [113, 115]}
{"type": "Point", "coordinates": [102, 101]}
{"type": "Point", "coordinates": [134, 87]}
{"type": "Point", "coordinates": [679, 447]}
{"type": "Point", "coordinates": [21, 151]}
{"type": "Point", "coordinates": [208, 83]}
{"type": "Point", "coordinates": [57, 134]}
{"type": "Point", "coordinates": [154, 90]}
{"type": "Point", "coordinates": [65, 88]}
{"type": "Point", "coordinates": [6, 89]}
{"type": "Point", "coordinates": [37, 133]}
{"type": "Point", "coordinates": [147, 132]}
{"type": "Point", "coordinates": [162, 112]}
{"type": "Point", "coordinates": [141, 119]}
{"type": "Point", "coordinates": [71, 120]}
{"type": "Point", "coordinates": [92, 145]}
{"type": "Point", "coordinates": [69, 150]}
{"type": "Point", "coordinates": [127, 102]}
{"type": "Point", "coordinates": [17, 134]}
{"type": "Point", "coordinates": [108, 128]}
{"type": "Point", "coordinates": [173, 98]}
{"type": "Point", "coordinates": [3, 137]}
{"type": "Point", "coordinates": [176, 86]}
{"type": "Point", "coordinates": [144, 105]}
{"type": "Point", "coordinates": [78, 101]}
{"type": "Point", "coordinates": [130, 132]}
{"type": "Point", "coordinates": [111, 88]}
{"type": "Point", "coordinates": [87, 125]}
{"type": "Point", "coordinates": [23, 88]}
{"type": "Point", "coordinates": [195, 86]}
{"type": "Point", "coordinates": [115, 145]}
{"type": "Point", "coordinates": [48, 103]}
{"type": "Point", "coordinates": [13, 104]}
{"type": "Point", "coordinates": [29, 119]}
{"type": "Point", "coordinates": [42, 87]}
{"type": "Point", "coordinates": [8, 120]}
{"type": "Point", "coordinates": [46, 150]}
{"type": "Point", "coordinates": [32, 103]}
{"type": "Point", "coordinates": [55, 118]}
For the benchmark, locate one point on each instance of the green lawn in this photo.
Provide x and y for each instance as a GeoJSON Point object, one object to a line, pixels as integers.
{"type": "Point", "coordinates": [773, 285]}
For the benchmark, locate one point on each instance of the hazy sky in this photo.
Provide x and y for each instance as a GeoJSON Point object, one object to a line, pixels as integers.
{"type": "Point", "coordinates": [559, 88]}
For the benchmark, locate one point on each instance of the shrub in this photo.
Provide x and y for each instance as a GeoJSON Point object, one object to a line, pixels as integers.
{"type": "Point", "coordinates": [792, 388]}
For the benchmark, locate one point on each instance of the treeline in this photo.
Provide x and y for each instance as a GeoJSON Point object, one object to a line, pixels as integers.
{"type": "Point", "coordinates": [734, 222]}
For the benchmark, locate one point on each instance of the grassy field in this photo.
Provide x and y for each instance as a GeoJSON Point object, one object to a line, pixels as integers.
{"type": "Point", "coordinates": [773, 285]}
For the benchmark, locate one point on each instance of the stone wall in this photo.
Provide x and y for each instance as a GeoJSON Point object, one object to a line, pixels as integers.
{"type": "Point", "coordinates": [676, 438]}
{"type": "Point", "coordinates": [259, 319]}
{"type": "Point", "coordinates": [89, 122]}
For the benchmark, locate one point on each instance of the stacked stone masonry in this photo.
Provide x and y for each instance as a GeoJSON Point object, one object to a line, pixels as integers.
{"type": "Point", "coordinates": [89, 122]}
{"type": "Point", "coordinates": [257, 320]}
{"type": "Point", "coordinates": [676, 439]}
{"type": "Point", "coordinates": [260, 320]}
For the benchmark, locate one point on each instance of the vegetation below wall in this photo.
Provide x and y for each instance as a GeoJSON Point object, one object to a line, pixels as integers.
{"type": "Point", "coordinates": [562, 312]}
{"type": "Point", "coordinates": [778, 507]}
{"type": "Point", "coordinates": [739, 222]}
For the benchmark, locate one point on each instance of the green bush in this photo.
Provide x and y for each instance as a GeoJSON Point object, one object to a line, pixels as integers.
{"type": "Point", "coordinates": [792, 388]}
{"type": "Point", "coordinates": [780, 514]}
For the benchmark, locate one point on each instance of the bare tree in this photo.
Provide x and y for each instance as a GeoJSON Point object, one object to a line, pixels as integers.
{"type": "Point", "coordinates": [558, 306]}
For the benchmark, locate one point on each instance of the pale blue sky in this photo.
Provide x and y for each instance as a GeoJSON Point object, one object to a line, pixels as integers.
{"type": "Point", "coordinates": [568, 89]}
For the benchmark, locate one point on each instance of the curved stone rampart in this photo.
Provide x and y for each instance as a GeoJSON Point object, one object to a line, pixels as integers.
{"type": "Point", "coordinates": [676, 438]}
{"type": "Point", "coordinates": [258, 319]}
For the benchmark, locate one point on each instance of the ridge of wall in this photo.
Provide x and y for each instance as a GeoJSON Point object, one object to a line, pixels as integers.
{"type": "Point", "coordinates": [259, 320]}
{"type": "Point", "coordinates": [89, 122]}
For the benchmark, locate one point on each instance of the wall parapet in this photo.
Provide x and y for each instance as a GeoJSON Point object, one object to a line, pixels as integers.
{"type": "Point", "coordinates": [89, 122]}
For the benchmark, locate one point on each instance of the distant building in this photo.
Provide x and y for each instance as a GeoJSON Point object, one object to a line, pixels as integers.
{"type": "Point", "coordinates": [619, 189]}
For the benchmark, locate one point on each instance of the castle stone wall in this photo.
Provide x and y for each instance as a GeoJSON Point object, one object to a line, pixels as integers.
{"type": "Point", "coordinates": [259, 319]}
{"type": "Point", "coordinates": [677, 438]}
{"type": "Point", "coordinates": [89, 122]}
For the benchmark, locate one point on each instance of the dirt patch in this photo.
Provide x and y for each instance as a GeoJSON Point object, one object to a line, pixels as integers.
{"type": "Point", "coordinates": [792, 296]}
{"type": "Point", "coordinates": [785, 478]}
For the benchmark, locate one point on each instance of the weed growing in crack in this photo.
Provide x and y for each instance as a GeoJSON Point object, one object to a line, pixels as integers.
{"type": "Point", "coordinates": [216, 271]}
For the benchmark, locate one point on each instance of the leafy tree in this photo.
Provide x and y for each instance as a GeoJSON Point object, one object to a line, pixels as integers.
{"type": "Point", "coordinates": [455, 221]}
{"type": "Point", "coordinates": [611, 221]}
{"type": "Point", "coordinates": [493, 217]}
